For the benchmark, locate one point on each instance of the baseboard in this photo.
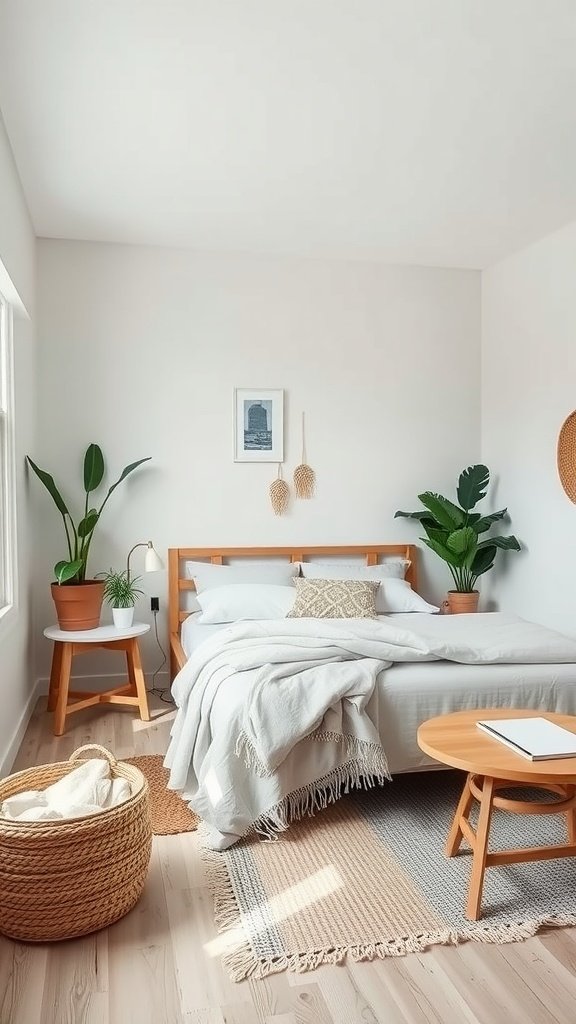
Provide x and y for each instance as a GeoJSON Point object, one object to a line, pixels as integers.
{"type": "Point", "coordinates": [14, 745]}
{"type": "Point", "coordinates": [105, 682]}
{"type": "Point", "coordinates": [93, 682]}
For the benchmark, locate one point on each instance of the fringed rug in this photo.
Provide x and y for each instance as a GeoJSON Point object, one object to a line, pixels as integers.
{"type": "Point", "coordinates": [169, 813]}
{"type": "Point", "coordinates": [367, 878]}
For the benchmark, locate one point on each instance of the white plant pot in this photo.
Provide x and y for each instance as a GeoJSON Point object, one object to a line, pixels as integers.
{"type": "Point", "coordinates": [123, 617]}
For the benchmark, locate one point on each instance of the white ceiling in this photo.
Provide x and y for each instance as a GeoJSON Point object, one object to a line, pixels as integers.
{"type": "Point", "coordinates": [438, 132]}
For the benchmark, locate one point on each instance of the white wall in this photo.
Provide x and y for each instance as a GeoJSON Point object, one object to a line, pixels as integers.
{"type": "Point", "coordinates": [17, 254]}
{"type": "Point", "coordinates": [141, 349]}
{"type": "Point", "coordinates": [528, 389]}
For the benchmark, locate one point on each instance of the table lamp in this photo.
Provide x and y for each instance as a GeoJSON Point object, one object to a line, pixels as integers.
{"type": "Point", "coordinates": [152, 560]}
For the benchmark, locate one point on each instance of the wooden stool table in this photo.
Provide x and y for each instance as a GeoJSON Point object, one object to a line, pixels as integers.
{"type": "Point", "coordinates": [457, 741]}
{"type": "Point", "coordinates": [68, 643]}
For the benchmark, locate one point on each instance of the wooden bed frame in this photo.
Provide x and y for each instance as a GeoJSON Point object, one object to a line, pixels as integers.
{"type": "Point", "coordinates": [179, 584]}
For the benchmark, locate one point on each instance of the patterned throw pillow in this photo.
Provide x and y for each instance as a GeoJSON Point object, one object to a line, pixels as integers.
{"type": "Point", "coordinates": [334, 599]}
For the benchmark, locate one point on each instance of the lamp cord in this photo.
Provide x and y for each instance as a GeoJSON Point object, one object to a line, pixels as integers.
{"type": "Point", "coordinates": [164, 694]}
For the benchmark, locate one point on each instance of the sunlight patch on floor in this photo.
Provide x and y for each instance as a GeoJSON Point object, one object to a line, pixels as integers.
{"type": "Point", "coordinates": [287, 903]}
{"type": "Point", "coordinates": [158, 717]}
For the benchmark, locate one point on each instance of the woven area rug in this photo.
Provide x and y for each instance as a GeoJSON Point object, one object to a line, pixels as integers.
{"type": "Point", "coordinates": [367, 878]}
{"type": "Point", "coordinates": [168, 811]}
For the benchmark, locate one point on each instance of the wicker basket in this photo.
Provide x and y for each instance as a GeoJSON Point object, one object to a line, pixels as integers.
{"type": "Point", "coordinates": [566, 456]}
{"type": "Point", "coordinates": [60, 879]}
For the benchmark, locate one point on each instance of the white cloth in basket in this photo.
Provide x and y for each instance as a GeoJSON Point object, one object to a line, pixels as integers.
{"type": "Point", "coordinates": [88, 789]}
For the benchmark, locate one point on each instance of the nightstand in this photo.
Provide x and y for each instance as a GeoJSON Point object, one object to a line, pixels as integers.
{"type": "Point", "coordinates": [67, 644]}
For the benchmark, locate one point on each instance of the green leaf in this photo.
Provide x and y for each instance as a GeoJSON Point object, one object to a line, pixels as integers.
{"type": "Point", "coordinates": [472, 486]}
{"type": "Point", "coordinates": [86, 526]}
{"type": "Point", "coordinates": [505, 543]}
{"type": "Point", "coordinates": [423, 514]}
{"type": "Point", "coordinates": [448, 515]}
{"type": "Point", "coordinates": [123, 475]}
{"type": "Point", "coordinates": [483, 560]}
{"type": "Point", "coordinates": [93, 467]}
{"type": "Point", "coordinates": [65, 571]}
{"type": "Point", "coordinates": [50, 486]}
{"type": "Point", "coordinates": [433, 531]}
{"type": "Point", "coordinates": [483, 523]}
{"type": "Point", "coordinates": [462, 542]}
{"type": "Point", "coordinates": [444, 553]}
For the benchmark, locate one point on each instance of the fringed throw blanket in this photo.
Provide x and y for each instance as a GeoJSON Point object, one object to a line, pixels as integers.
{"type": "Point", "coordinates": [276, 718]}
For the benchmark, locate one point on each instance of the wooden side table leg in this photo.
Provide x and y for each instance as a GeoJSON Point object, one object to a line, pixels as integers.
{"type": "Point", "coordinates": [55, 675]}
{"type": "Point", "coordinates": [63, 685]}
{"type": "Point", "coordinates": [462, 811]}
{"type": "Point", "coordinates": [136, 676]}
{"type": "Point", "coordinates": [571, 817]}
{"type": "Point", "coordinates": [480, 850]}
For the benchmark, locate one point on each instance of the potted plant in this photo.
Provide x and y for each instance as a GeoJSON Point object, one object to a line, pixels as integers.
{"type": "Point", "coordinates": [78, 600]}
{"type": "Point", "coordinates": [121, 593]}
{"type": "Point", "coordinates": [454, 532]}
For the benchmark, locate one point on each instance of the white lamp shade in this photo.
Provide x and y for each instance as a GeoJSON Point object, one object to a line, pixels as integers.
{"type": "Point", "coordinates": [152, 561]}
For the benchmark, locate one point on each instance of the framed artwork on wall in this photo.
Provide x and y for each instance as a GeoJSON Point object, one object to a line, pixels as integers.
{"type": "Point", "coordinates": [258, 425]}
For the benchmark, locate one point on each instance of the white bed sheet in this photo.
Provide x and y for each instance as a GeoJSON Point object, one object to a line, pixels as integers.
{"type": "Point", "coordinates": [194, 632]}
{"type": "Point", "coordinates": [411, 693]}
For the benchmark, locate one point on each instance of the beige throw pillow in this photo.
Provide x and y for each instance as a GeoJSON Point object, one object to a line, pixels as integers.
{"type": "Point", "coordinates": [334, 599]}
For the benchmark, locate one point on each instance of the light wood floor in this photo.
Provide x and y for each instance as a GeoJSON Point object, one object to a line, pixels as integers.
{"type": "Point", "coordinates": [152, 968]}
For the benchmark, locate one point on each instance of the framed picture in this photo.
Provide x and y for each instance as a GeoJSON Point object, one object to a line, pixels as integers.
{"type": "Point", "coordinates": [258, 425]}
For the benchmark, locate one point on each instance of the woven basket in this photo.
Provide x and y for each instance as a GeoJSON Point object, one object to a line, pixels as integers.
{"type": "Point", "coordinates": [566, 456]}
{"type": "Point", "coordinates": [64, 878]}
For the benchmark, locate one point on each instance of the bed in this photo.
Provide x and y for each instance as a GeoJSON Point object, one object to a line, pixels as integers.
{"type": "Point", "coordinates": [405, 694]}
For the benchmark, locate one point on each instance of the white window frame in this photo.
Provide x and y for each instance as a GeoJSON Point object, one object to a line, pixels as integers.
{"type": "Point", "coordinates": [8, 550]}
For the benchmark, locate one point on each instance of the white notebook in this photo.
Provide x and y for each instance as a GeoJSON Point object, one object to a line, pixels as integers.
{"type": "Point", "coordinates": [534, 738]}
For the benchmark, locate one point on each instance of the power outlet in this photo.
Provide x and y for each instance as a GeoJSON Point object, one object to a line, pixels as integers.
{"type": "Point", "coordinates": [154, 604]}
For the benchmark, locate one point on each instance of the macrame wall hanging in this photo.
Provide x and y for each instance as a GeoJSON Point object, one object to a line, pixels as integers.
{"type": "Point", "coordinates": [566, 456]}
{"type": "Point", "coordinates": [304, 476]}
{"type": "Point", "coordinates": [279, 493]}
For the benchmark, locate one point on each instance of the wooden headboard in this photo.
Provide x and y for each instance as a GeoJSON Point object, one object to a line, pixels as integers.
{"type": "Point", "coordinates": [179, 584]}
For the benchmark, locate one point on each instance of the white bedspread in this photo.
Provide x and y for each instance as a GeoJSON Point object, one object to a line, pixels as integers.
{"type": "Point", "coordinates": [255, 700]}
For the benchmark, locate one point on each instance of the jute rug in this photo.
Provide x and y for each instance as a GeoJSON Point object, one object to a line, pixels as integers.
{"type": "Point", "coordinates": [367, 878]}
{"type": "Point", "coordinates": [168, 811]}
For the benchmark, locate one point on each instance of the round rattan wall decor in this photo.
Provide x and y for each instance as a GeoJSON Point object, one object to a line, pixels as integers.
{"type": "Point", "coordinates": [567, 456]}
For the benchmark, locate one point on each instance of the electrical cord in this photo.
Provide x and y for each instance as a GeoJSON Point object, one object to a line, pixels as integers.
{"type": "Point", "coordinates": [164, 694]}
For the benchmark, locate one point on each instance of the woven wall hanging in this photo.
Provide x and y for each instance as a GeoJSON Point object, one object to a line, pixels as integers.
{"type": "Point", "coordinates": [279, 493]}
{"type": "Point", "coordinates": [566, 455]}
{"type": "Point", "coordinates": [304, 477]}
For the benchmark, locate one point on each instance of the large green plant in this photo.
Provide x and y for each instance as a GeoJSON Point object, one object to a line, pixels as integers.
{"type": "Point", "coordinates": [454, 531]}
{"type": "Point", "coordinates": [79, 533]}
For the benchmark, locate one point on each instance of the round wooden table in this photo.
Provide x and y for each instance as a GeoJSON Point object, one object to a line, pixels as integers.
{"type": "Point", "coordinates": [68, 643]}
{"type": "Point", "coordinates": [457, 741]}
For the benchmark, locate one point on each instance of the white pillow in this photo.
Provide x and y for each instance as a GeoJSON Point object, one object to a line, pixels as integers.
{"type": "Point", "coordinates": [398, 596]}
{"type": "Point", "coordinates": [206, 575]}
{"type": "Point", "coordinates": [245, 601]}
{"type": "Point", "coordinates": [393, 594]}
{"type": "Point", "coordinates": [389, 597]}
{"type": "Point", "coordinates": [393, 568]}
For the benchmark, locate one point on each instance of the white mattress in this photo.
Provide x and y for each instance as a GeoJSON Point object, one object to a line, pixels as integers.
{"type": "Point", "coordinates": [411, 693]}
{"type": "Point", "coordinates": [193, 632]}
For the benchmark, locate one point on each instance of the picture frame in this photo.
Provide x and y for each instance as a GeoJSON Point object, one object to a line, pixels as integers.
{"type": "Point", "coordinates": [258, 425]}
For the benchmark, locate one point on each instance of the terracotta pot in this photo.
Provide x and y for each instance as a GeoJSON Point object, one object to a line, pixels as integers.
{"type": "Point", "coordinates": [78, 605]}
{"type": "Point", "coordinates": [459, 603]}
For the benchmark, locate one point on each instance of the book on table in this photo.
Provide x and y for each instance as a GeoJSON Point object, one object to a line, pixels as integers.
{"type": "Point", "coordinates": [534, 738]}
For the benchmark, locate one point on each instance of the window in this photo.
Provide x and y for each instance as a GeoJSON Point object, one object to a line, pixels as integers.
{"type": "Point", "coordinates": [7, 475]}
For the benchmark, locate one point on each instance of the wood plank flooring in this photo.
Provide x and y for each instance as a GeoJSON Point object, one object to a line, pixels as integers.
{"type": "Point", "coordinates": [152, 967]}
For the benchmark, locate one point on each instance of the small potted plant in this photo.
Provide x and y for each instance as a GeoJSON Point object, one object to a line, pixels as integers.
{"type": "Point", "coordinates": [78, 600]}
{"type": "Point", "coordinates": [121, 592]}
{"type": "Point", "coordinates": [453, 532]}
